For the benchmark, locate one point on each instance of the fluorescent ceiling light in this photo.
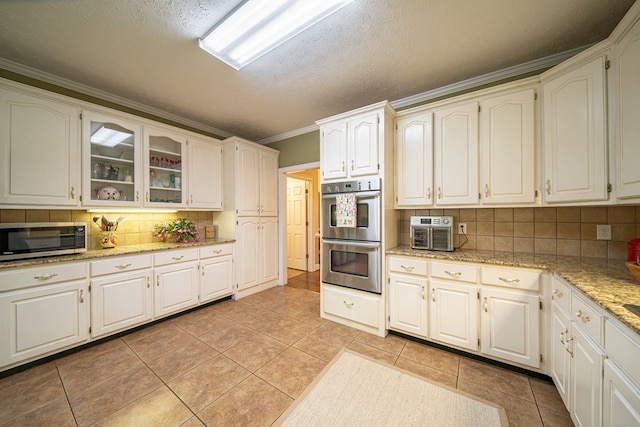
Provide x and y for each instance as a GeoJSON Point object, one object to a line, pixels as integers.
{"type": "Point", "coordinates": [108, 137]}
{"type": "Point", "coordinates": [258, 26]}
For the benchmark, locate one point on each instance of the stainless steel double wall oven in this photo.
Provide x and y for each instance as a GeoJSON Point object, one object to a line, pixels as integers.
{"type": "Point", "coordinates": [351, 256]}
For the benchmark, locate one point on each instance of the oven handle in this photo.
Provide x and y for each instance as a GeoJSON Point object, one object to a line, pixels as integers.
{"type": "Point", "coordinates": [359, 243]}
{"type": "Point", "coordinates": [359, 194]}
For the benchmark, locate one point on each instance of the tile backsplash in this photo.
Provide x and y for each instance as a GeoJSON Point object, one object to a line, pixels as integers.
{"type": "Point", "coordinates": [543, 230]}
{"type": "Point", "coordinates": [136, 227]}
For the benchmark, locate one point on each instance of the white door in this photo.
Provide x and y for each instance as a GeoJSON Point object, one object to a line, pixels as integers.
{"type": "Point", "coordinates": [560, 356]}
{"type": "Point", "coordinates": [408, 304]}
{"type": "Point", "coordinates": [414, 160]}
{"type": "Point", "coordinates": [333, 151]}
{"type": "Point", "coordinates": [453, 314]}
{"type": "Point", "coordinates": [176, 287]}
{"type": "Point", "coordinates": [456, 154]}
{"type": "Point", "coordinates": [205, 174]}
{"type": "Point", "coordinates": [621, 398]}
{"type": "Point", "coordinates": [586, 372]}
{"type": "Point", "coordinates": [297, 224]}
{"type": "Point", "coordinates": [268, 248]}
{"type": "Point", "coordinates": [247, 246]}
{"type": "Point", "coordinates": [268, 184]}
{"type": "Point", "coordinates": [248, 180]}
{"type": "Point", "coordinates": [362, 140]}
{"type": "Point", "coordinates": [216, 278]}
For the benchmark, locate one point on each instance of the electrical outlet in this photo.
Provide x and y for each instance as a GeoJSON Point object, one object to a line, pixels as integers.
{"type": "Point", "coordinates": [462, 228]}
{"type": "Point", "coordinates": [603, 232]}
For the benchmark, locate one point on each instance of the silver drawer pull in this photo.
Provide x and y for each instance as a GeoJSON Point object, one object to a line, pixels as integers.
{"type": "Point", "coordinates": [177, 258]}
{"type": "Point", "coordinates": [45, 276]}
{"type": "Point", "coordinates": [348, 304]}
{"type": "Point", "coordinates": [217, 251]}
{"type": "Point", "coordinates": [580, 314]}
{"type": "Point", "coordinates": [453, 273]}
{"type": "Point", "coordinates": [558, 293]}
{"type": "Point", "coordinates": [507, 280]}
{"type": "Point", "coordinates": [407, 267]}
{"type": "Point", "coordinates": [123, 266]}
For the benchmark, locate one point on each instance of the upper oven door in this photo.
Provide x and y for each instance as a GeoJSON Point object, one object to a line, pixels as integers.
{"type": "Point", "coordinates": [367, 223]}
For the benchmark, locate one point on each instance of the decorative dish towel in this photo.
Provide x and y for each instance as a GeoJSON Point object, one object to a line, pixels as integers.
{"type": "Point", "coordinates": [346, 209]}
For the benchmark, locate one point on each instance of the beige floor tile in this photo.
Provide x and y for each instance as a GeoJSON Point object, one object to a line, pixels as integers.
{"type": "Point", "coordinates": [205, 383]}
{"type": "Point", "coordinates": [372, 352]}
{"type": "Point", "coordinates": [193, 422]}
{"type": "Point", "coordinates": [165, 327]}
{"type": "Point", "coordinates": [391, 343]}
{"type": "Point", "coordinates": [339, 329]}
{"type": "Point", "coordinates": [546, 395]}
{"type": "Point", "coordinates": [291, 371]}
{"type": "Point", "coordinates": [105, 397]}
{"type": "Point", "coordinates": [551, 418]}
{"type": "Point", "coordinates": [28, 374]}
{"type": "Point", "coordinates": [257, 317]}
{"type": "Point", "coordinates": [159, 408]}
{"type": "Point", "coordinates": [37, 390]}
{"type": "Point", "coordinates": [165, 342]}
{"type": "Point", "coordinates": [254, 402]}
{"type": "Point", "coordinates": [91, 352]}
{"type": "Point", "coordinates": [520, 412]}
{"type": "Point", "coordinates": [56, 413]}
{"type": "Point", "coordinates": [309, 316]}
{"type": "Point", "coordinates": [432, 357]}
{"type": "Point", "coordinates": [322, 344]}
{"type": "Point", "coordinates": [287, 330]}
{"type": "Point", "coordinates": [427, 372]}
{"type": "Point", "coordinates": [181, 360]}
{"type": "Point", "coordinates": [224, 338]}
{"type": "Point", "coordinates": [496, 378]}
{"type": "Point", "coordinates": [255, 351]}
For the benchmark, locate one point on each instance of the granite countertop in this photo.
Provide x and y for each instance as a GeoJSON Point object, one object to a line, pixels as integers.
{"type": "Point", "coordinates": [117, 251]}
{"type": "Point", "coordinates": [606, 282]}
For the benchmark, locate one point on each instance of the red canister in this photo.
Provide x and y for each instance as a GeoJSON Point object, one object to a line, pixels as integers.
{"type": "Point", "coordinates": [633, 250]}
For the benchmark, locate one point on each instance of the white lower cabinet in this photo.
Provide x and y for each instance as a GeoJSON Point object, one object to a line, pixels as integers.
{"type": "Point", "coordinates": [216, 272]}
{"type": "Point", "coordinates": [560, 369]}
{"type": "Point", "coordinates": [257, 247]}
{"type": "Point", "coordinates": [454, 314]}
{"type": "Point", "coordinates": [176, 281]}
{"type": "Point", "coordinates": [358, 309]}
{"type": "Point", "coordinates": [586, 383]}
{"type": "Point", "coordinates": [621, 406]}
{"type": "Point", "coordinates": [408, 295]}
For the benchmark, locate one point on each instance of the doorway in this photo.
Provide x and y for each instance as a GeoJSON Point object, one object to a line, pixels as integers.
{"type": "Point", "coordinates": [297, 223]}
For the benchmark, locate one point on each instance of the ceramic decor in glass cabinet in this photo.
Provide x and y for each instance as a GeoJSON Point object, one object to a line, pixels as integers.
{"type": "Point", "coordinates": [111, 153]}
{"type": "Point", "coordinates": [164, 166]}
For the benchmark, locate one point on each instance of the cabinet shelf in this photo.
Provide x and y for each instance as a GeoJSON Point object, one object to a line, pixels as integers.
{"type": "Point", "coordinates": [111, 159]}
{"type": "Point", "coordinates": [159, 168]}
{"type": "Point", "coordinates": [160, 151]}
{"type": "Point", "coordinates": [165, 188]}
{"type": "Point", "coordinates": [111, 181]}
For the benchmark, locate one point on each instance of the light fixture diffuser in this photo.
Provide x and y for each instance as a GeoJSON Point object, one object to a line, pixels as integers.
{"type": "Point", "coordinates": [258, 26]}
{"type": "Point", "coordinates": [108, 137]}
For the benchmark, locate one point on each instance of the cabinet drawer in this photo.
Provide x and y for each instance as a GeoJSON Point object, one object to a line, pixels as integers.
{"type": "Point", "coordinates": [46, 274]}
{"type": "Point", "coordinates": [216, 250]}
{"type": "Point", "coordinates": [561, 294]}
{"type": "Point", "coordinates": [455, 271]}
{"type": "Point", "coordinates": [511, 278]}
{"type": "Point", "coordinates": [352, 305]}
{"type": "Point", "coordinates": [120, 264]}
{"type": "Point", "coordinates": [588, 318]}
{"type": "Point", "coordinates": [623, 349]}
{"type": "Point", "coordinates": [408, 265]}
{"type": "Point", "coordinates": [172, 257]}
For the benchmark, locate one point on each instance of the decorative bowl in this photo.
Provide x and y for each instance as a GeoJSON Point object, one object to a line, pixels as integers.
{"type": "Point", "coordinates": [634, 268]}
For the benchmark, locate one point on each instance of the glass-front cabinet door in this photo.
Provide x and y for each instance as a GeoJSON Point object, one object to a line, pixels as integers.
{"type": "Point", "coordinates": [111, 161]}
{"type": "Point", "coordinates": [164, 165]}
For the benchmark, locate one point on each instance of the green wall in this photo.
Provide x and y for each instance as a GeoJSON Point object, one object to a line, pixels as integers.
{"type": "Point", "coordinates": [298, 150]}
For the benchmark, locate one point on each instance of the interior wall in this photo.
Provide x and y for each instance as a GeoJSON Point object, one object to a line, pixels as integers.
{"type": "Point", "coordinates": [298, 150]}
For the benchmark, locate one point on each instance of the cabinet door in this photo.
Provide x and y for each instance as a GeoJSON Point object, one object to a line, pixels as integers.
{"type": "Point", "coordinates": [456, 154]}
{"type": "Point", "coordinates": [362, 139]}
{"type": "Point", "coordinates": [453, 314]}
{"type": "Point", "coordinates": [269, 184]}
{"type": "Point", "coordinates": [507, 153]}
{"type": "Point", "coordinates": [248, 247]}
{"type": "Point", "coordinates": [164, 166]}
{"type": "Point", "coordinates": [560, 355]}
{"type": "Point", "coordinates": [205, 175]}
{"type": "Point", "coordinates": [510, 326]}
{"type": "Point", "coordinates": [575, 145]}
{"type": "Point", "coordinates": [112, 162]}
{"type": "Point", "coordinates": [333, 151]}
{"type": "Point", "coordinates": [414, 160]}
{"type": "Point", "coordinates": [43, 319]}
{"type": "Point", "coordinates": [408, 304]}
{"type": "Point", "coordinates": [39, 163]}
{"type": "Point", "coordinates": [626, 64]}
{"type": "Point", "coordinates": [621, 405]}
{"type": "Point", "coordinates": [586, 373]}
{"type": "Point", "coordinates": [268, 249]}
{"type": "Point", "coordinates": [120, 301]}
{"type": "Point", "coordinates": [248, 180]}
{"type": "Point", "coordinates": [216, 278]}
{"type": "Point", "coordinates": [176, 288]}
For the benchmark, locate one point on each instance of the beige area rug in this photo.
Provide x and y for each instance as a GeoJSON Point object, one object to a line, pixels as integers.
{"type": "Point", "coordinates": [354, 390]}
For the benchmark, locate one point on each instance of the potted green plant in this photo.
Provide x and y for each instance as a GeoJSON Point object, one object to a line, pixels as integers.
{"type": "Point", "coordinates": [180, 230]}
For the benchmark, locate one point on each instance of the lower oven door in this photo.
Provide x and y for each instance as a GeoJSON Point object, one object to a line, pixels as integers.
{"type": "Point", "coordinates": [352, 264]}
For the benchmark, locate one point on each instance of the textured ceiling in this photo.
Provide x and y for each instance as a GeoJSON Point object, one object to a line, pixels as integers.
{"type": "Point", "coordinates": [371, 50]}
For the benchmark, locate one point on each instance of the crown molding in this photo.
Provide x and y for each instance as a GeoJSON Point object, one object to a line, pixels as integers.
{"type": "Point", "coordinates": [290, 134]}
{"type": "Point", "coordinates": [106, 96]}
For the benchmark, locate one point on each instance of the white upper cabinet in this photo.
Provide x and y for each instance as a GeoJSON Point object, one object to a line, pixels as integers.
{"type": "Point", "coordinates": [574, 130]}
{"type": "Point", "coordinates": [456, 154]}
{"type": "Point", "coordinates": [414, 160]}
{"type": "Point", "coordinates": [39, 149]}
{"type": "Point", "coordinates": [333, 145]}
{"type": "Point", "coordinates": [205, 174]}
{"type": "Point", "coordinates": [112, 168]}
{"type": "Point", "coordinates": [625, 103]}
{"type": "Point", "coordinates": [164, 164]}
{"type": "Point", "coordinates": [268, 183]}
{"type": "Point", "coordinates": [255, 174]}
{"type": "Point", "coordinates": [507, 148]}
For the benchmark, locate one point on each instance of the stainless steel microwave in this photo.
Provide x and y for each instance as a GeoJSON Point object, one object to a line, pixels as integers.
{"type": "Point", "coordinates": [40, 239]}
